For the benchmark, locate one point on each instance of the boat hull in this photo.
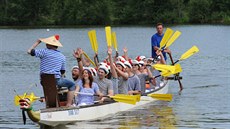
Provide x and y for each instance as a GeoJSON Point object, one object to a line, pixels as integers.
{"type": "Point", "coordinates": [62, 116]}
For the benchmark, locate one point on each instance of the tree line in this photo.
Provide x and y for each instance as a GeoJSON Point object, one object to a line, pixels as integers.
{"type": "Point", "coordinates": [112, 12]}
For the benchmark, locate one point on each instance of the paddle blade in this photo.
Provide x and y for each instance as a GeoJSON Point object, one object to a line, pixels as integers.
{"type": "Point", "coordinates": [114, 40]}
{"type": "Point", "coordinates": [90, 34]}
{"type": "Point", "coordinates": [108, 36]}
{"type": "Point", "coordinates": [95, 40]}
{"type": "Point", "coordinates": [173, 38]}
{"type": "Point", "coordinates": [124, 99]}
{"type": "Point", "coordinates": [166, 73]}
{"type": "Point", "coordinates": [137, 97]}
{"type": "Point", "coordinates": [164, 97]}
{"type": "Point", "coordinates": [167, 35]}
{"type": "Point", "coordinates": [178, 68]}
{"type": "Point", "coordinates": [162, 67]}
{"type": "Point", "coordinates": [189, 53]}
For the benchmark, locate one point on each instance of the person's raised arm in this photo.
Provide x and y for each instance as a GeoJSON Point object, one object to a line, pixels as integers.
{"type": "Point", "coordinates": [162, 60]}
{"type": "Point", "coordinates": [96, 60]}
{"type": "Point", "coordinates": [125, 50]}
{"type": "Point", "coordinates": [123, 74]}
{"type": "Point", "coordinates": [78, 55]}
{"type": "Point", "coordinates": [31, 49]}
{"type": "Point", "coordinates": [112, 67]}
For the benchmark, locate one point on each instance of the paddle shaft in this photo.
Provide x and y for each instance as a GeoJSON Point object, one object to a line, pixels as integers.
{"type": "Point", "coordinates": [91, 94]}
{"type": "Point", "coordinates": [180, 84]}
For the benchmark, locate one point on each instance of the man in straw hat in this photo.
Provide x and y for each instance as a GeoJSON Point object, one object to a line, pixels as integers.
{"type": "Point", "coordinates": [53, 62]}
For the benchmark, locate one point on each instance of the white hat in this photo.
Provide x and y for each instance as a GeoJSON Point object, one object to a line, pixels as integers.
{"type": "Point", "coordinates": [105, 68]}
{"type": "Point", "coordinates": [139, 58]}
{"type": "Point", "coordinates": [120, 63]}
{"type": "Point", "coordinates": [75, 67]}
{"type": "Point", "coordinates": [141, 62]}
{"type": "Point", "coordinates": [135, 62]}
{"type": "Point", "coordinates": [106, 64]}
{"type": "Point", "coordinates": [120, 58]}
{"type": "Point", "coordinates": [53, 40]}
{"type": "Point", "coordinates": [91, 70]}
{"type": "Point", "coordinates": [128, 64]}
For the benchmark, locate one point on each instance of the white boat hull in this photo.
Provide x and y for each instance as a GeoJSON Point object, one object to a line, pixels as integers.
{"type": "Point", "coordinates": [74, 114]}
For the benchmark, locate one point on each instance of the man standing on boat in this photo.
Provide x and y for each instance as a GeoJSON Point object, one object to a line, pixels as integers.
{"type": "Point", "coordinates": [53, 62]}
{"type": "Point", "coordinates": [155, 41]}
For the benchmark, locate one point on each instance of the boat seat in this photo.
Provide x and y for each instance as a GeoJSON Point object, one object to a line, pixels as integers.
{"type": "Point", "coordinates": [62, 90]}
{"type": "Point", "coordinates": [48, 83]}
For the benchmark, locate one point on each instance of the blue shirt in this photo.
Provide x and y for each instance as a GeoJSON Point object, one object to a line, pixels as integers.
{"type": "Point", "coordinates": [87, 99]}
{"type": "Point", "coordinates": [155, 41]}
{"type": "Point", "coordinates": [52, 61]}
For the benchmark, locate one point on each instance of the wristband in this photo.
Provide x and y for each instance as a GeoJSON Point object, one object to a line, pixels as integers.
{"type": "Point", "coordinates": [78, 59]}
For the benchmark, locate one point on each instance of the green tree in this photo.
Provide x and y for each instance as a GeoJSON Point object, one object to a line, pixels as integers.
{"type": "Point", "coordinates": [199, 11]}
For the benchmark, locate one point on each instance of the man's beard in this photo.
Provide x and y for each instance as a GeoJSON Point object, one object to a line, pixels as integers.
{"type": "Point", "coordinates": [75, 77]}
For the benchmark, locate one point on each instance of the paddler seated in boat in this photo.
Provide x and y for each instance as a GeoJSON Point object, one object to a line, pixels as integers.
{"type": "Point", "coordinates": [53, 62]}
{"type": "Point", "coordinates": [155, 82]}
{"type": "Point", "coordinates": [76, 73]}
{"type": "Point", "coordinates": [134, 86]}
{"type": "Point", "coordinates": [86, 89]}
{"type": "Point", "coordinates": [105, 85]}
{"type": "Point", "coordinates": [112, 71]}
{"type": "Point", "coordinates": [142, 61]}
{"type": "Point", "coordinates": [142, 76]}
{"type": "Point", "coordinates": [122, 76]}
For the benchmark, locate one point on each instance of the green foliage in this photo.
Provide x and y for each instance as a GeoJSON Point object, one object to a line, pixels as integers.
{"type": "Point", "coordinates": [199, 11]}
{"type": "Point", "coordinates": [113, 12]}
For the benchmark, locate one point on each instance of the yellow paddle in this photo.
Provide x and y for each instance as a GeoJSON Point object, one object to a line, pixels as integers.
{"type": "Point", "coordinates": [114, 40]}
{"type": "Point", "coordinates": [108, 36]}
{"type": "Point", "coordinates": [178, 69]}
{"type": "Point", "coordinates": [166, 68]}
{"type": "Point", "coordinates": [165, 97]}
{"type": "Point", "coordinates": [173, 38]}
{"type": "Point", "coordinates": [124, 99]}
{"type": "Point", "coordinates": [32, 98]}
{"type": "Point", "coordinates": [129, 99]}
{"type": "Point", "coordinates": [167, 35]}
{"type": "Point", "coordinates": [89, 59]}
{"type": "Point", "coordinates": [95, 41]}
{"type": "Point", "coordinates": [188, 53]}
{"type": "Point", "coordinates": [137, 97]}
{"type": "Point", "coordinates": [90, 34]}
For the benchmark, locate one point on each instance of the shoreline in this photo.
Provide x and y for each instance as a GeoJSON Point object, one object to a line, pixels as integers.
{"type": "Point", "coordinates": [99, 26]}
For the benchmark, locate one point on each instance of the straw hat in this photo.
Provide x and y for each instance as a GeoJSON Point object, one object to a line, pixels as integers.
{"type": "Point", "coordinates": [53, 40]}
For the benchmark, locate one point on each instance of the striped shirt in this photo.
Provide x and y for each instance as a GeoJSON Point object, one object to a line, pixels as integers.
{"type": "Point", "coordinates": [52, 61]}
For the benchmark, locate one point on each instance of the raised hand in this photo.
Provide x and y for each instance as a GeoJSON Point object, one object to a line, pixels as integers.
{"type": "Point", "coordinates": [77, 53]}
{"type": "Point", "coordinates": [125, 50]}
{"type": "Point", "coordinates": [110, 51]}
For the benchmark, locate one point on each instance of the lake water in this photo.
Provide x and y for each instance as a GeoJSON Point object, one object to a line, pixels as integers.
{"type": "Point", "coordinates": [204, 102]}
